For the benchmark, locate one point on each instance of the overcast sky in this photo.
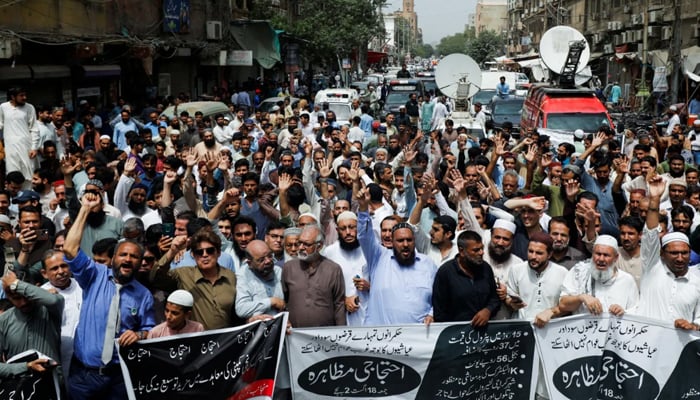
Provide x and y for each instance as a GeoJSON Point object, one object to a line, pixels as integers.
{"type": "Point", "coordinates": [439, 18]}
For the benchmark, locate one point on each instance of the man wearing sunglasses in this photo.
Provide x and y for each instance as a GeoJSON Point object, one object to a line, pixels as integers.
{"type": "Point", "coordinates": [213, 286]}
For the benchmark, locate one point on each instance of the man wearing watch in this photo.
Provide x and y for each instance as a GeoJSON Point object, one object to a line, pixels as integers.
{"type": "Point", "coordinates": [115, 307]}
{"type": "Point", "coordinates": [34, 323]}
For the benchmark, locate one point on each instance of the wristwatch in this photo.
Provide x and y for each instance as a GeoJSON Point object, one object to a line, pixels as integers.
{"type": "Point", "coordinates": [13, 285]}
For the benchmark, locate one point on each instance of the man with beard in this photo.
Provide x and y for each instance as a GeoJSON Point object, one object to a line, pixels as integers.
{"type": "Point", "coordinates": [677, 190]}
{"type": "Point", "coordinates": [636, 197]}
{"type": "Point", "coordinates": [665, 270]}
{"type": "Point", "coordinates": [347, 253]}
{"type": "Point", "coordinates": [259, 283]}
{"type": "Point", "coordinates": [465, 288]}
{"type": "Point", "coordinates": [149, 175]}
{"type": "Point", "coordinates": [291, 243]}
{"type": "Point", "coordinates": [222, 132]}
{"type": "Point", "coordinates": [439, 244]}
{"type": "Point", "coordinates": [47, 133]}
{"type": "Point", "coordinates": [98, 225]}
{"type": "Point", "coordinates": [313, 284]}
{"type": "Point", "coordinates": [33, 323]}
{"type": "Point", "coordinates": [50, 161]}
{"type": "Point", "coordinates": [115, 306]}
{"type": "Point", "coordinates": [499, 256]}
{"type": "Point", "coordinates": [534, 286]}
{"type": "Point", "coordinates": [563, 254]}
{"type": "Point", "coordinates": [132, 203]}
{"type": "Point", "coordinates": [42, 185]}
{"type": "Point", "coordinates": [57, 273]}
{"type": "Point", "coordinates": [243, 231]}
{"type": "Point", "coordinates": [21, 133]}
{"type": "Point", "coordinates": [601, 185]}
{"type": "Point", "coordinates": [212, 285]}
{"type": "Point", "coordinates": [208, 145]}
{"type": "Point", "coordinates": [389, 303]}
{"type": "Point", "coordinates": [58, 211]}
{"type": "Point", "coordinates": [596, 285]}
{"type": "Point", "coordinates": [126, 124]}
{"type": "Point", "coordinates": [555, 194]}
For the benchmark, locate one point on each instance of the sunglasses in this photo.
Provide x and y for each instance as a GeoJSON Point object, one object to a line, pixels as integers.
{"type": "Point", "coordinates": [93, 192]}
{"type": "Point", "coordinates": [200, 252]}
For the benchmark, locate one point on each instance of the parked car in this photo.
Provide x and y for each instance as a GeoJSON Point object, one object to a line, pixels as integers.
{"type": "Point", "coordinates": [208, 108]}
{"type": "Point", "coordinates": [509, 109]}
{"type": "Point", "coordinates": [267, 104]}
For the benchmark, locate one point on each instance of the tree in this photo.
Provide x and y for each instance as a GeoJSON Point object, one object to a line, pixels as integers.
{"type": "Point", "coordinates": [425, 50]}
{"type": "Point", "coordinates": [335, 28]}
{"type": "Point", "coordinates": [488, 45]}
{"type": "Point", "coordinates": [456, 43]}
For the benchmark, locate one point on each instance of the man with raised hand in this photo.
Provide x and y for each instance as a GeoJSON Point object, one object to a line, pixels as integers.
{"type": "Point", "coordinates": [115, 306]}
{"type": "Point", "coordinates": [665, 270]}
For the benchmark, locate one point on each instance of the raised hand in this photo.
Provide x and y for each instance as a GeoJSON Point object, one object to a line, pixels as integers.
{"type": "Point", "coordinates": [531, 153]}
{"type": "Point", "coordinates": [598, 139]}
{"type": "Point", "coordinates": [483, 190]}
{"type": "Point", "coordinates": [363, 198]}
{"type": "Point", "coordinates": [621, 165]}
{"type": "Point", "coordinates": [231, 195]}
{"type": "Point", "coordinates": [212, 160]}
{"type": "Point", "coordinates": [572, 187]}
{"type": "Point", "coordinates": [224, 163]}
{"type": "Point", "coordinates": [500, 146]}
{"type": "Point", "coordinates": [354, 171]}
{"type": "Point", "coordinates": [170, 177]}
{"type": "Point", "coordinates": [324, 168]}
{"type": "Point", "coordinates": [657, 185]}
{"type": "Point", "coordinates": [284, 182]}
{"type": "Point", "coordinates": [68, 166]}
{"type": "Point", "coordinates": [409, 155]}
{"type": "Point", "coordinates": [308, 148]}
{"type": "Point", "coordinates": [130, 166]}
{"type": "Point", "coordinates": [90, 200]}
{"type": "Point", "coordinates": [546, 160]}
{"type": "Point", "coordinates": [191, 158]}
{"type": "Point", "coordinates": [269, 151]}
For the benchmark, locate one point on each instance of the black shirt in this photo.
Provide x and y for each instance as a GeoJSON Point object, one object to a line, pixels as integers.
{"type": "Point", "coordinates": [457, 297]}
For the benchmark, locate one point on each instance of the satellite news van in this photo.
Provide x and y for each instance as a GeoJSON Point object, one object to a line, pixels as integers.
{"type": "Point", "coordinates": [561, 109]}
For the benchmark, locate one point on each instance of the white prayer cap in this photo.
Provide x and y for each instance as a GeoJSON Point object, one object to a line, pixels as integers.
{"type": "Point", "coordinates": [174, 132]}
{"type": "Point", "coordinates": [347, 215]}
{"type": "Point", "coordinates": [579, 134]}
{"type": "Point", "coordinates": [308, 214]}
{"type": "Point", "coordinates": [105, 137]}
{"type": "Point", "coordinates": [674, 237]}
{"type": "Point", "coordinates": [606, 240]}
{"type": "Point", "coordinates": [673, 108]}
{"type": "Point", "coordinates": [504, 224]}
{"type": "Point", "coordinates": [181, 298]}
{"type": "Point", "coordinates": [696, 122]}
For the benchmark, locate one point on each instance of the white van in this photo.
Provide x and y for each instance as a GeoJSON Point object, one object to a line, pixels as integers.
{"type": "Point", "coordinates": [336, 95]}
{"type": "Point", "coordinates": [489, 80]}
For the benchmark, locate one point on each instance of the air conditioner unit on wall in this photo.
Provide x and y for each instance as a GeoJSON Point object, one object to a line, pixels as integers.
{"type": "Point", "coordinates": [604, 14]}
{"type": "Point", "coordinates": [654, 31]}
{"type": "Point", "coordinates": [628, 9]}
{"type": "Point", "coordinates": [213, 30]}
{"type": "Point", "coordinates": [608, 48]}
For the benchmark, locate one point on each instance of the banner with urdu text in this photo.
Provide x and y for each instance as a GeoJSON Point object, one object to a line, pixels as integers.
{"type": "Point", "coordinates": [606, 358]}
{"type": "Point", "coordinates": [440, 361]}
{"type": "Point", "coordinates": [234, 364]}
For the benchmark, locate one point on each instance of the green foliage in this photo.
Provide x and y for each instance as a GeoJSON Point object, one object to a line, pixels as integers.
{"type": "Point", "coordinates": [334, 28]}
{"type": "Point", "coordinates": [456, 43]}
{"type": "Point", "coordinates": [488, 45]}
{"type": "Point", "coordinates": [424, 50]}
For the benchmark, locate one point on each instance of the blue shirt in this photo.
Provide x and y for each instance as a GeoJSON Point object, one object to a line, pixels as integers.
{"type": "Point", "coordinates": [400, 294]}
{"type": "Point", "coordinates": [606, 205]}
{"type": "Point", "coordinates": [97, 282]}
{"type": "Point", "coordinates": [503, 90]}
{"type": "Point", "coordinates": [120, 130]}
{"type": "Point", "coordinates": [154, 127]}
{"type": "Point", "coordinates": [366, 124]}
{"type": "Point", "coordinates": [225, 260]}
{"type": "Point", "coordinates": [694, 107]}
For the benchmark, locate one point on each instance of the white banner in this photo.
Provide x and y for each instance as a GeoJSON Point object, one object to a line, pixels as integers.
{"type": "Point", "coordinates": [588, 357]}
{"type": "Point", "coordinates": [442, 361]}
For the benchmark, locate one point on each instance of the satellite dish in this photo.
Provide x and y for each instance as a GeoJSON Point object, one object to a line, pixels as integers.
{"type": "Point", "coordinates": [583, 76]}
{"type": "Point", "coordinates": [458, 76]}
{"type": "Point", "coordinates": [554, 48]}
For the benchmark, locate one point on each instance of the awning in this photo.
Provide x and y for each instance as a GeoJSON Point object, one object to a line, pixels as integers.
{"type": "Point", "coordinates": [9, 73]}
{"type": "Point", "coordinates": [595, 56]}
{"type": "Point", "coordinates": [50, 71]}
{"type": "Point", "coordinates": [259, 37]}
{"type": "Point", "coordinates": [101, 71]}
{"type": "Point", "coordinates": [530, 63]}
{"type": "Point", "coordinates": [375, 57]}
